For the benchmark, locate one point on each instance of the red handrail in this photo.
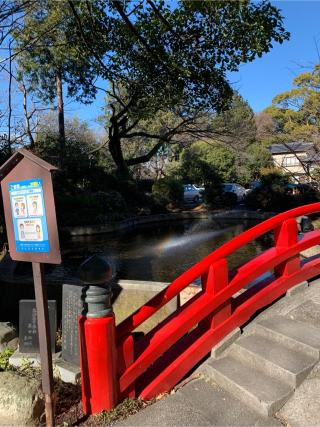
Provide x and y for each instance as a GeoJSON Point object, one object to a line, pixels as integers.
{"type": "Point", "coordinates": [157, 342]}
{"type": "Point", "coordinates": [158, 360]}
{"type": "Point", "coordinates": [172, 290]}
{"type": "Point", "coordinates": [194, 351]}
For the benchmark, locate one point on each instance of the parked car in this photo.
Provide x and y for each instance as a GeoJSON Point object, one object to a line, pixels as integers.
{"type": "Point", "coordinates": [255, 184]}
{"type": "Point", "coordinates": [192, 193]}
{"type": "Point", "coordinates": [299, 188]}
{"type": "Point", "coordinates": [231, 187]}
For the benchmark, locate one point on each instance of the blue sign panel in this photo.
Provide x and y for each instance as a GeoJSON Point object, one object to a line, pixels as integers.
{"type": "Point", "coordinates": [29, 216]}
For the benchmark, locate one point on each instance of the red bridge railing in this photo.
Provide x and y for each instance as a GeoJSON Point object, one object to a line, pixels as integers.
{"type": "Point", "coordinates": [156, 362]}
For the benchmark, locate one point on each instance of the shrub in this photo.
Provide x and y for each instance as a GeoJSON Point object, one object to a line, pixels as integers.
{"type": "Point", "coordinates": [215, 197]}
{"type": "Point", "coordinates": [145, 185]}
{"type": "Point", "coordinates": [4, 359]}
{"type": "Point", "coordinates": [88, 209]}
{"type": "Point", "coordinates": [308, 196]}
{"type": "Point", "coordinates": [212, 195]}
{"type": "Point", "coordinates": [229, 199]}
{"type": "Point", "coordinates": [272, 194]}
{"type": "Point", "coordinates": [110, 202]}
{"type": "Point", "coordinates": [167, 190]}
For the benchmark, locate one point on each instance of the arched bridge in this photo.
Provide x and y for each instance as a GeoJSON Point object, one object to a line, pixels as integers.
{"type": "Point", "coordinates": [157, 361]}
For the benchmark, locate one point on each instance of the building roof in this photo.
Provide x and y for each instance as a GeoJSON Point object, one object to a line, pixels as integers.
{"type": "Point", "coordinates": [290, 147]}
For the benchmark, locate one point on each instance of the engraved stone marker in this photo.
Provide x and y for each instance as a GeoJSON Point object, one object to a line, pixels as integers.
{"type": "Point", "coordinates": [28, 327]}
{"type": "Point", "coordinates": [72, 307]}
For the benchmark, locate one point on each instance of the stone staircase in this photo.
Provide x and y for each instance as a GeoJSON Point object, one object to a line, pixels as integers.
{"type": "Point", "coordinates": [267, 363]}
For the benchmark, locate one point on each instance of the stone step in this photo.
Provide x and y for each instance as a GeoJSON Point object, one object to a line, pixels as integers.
{"type": "Point", "coordinates": [199, 403]}
{"type": "Point", "coordinates": [256, 389]}
{"type": "Point", "coordinates": [274, 359]}
{"type": "Point", "coordinates": [294, 334]}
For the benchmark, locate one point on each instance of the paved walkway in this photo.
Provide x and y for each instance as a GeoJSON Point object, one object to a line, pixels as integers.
{"type": "Point", "coordinates": [201, 402]}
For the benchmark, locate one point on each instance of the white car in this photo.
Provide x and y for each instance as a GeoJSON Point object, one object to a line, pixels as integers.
{"type": "Point", "coordinates": [192, 193]}
{"type": "Point", "coordinates": [231, 187]}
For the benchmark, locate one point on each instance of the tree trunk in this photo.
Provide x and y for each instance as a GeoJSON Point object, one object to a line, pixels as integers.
{"type": "Point", "coordinates": [115, 148]}
{"type": "Point", "coordinates": [62, 136]}
{"type": "Point", "coordinates": [10, 102]}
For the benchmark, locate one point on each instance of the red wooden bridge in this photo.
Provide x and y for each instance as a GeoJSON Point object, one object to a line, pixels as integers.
{"type": "Point", "coordinates": [121, 367]}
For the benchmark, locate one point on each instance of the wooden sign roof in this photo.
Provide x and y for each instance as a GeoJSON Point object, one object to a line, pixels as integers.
{"type": "Point", "coordinates": [18, 156]}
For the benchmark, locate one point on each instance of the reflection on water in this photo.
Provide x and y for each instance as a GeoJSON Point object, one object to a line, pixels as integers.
{"type": "Point", "coordinates": [160, 252]}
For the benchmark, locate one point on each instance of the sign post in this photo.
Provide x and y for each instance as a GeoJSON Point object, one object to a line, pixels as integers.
{"type": "Point", "coordinates": [30, 216]}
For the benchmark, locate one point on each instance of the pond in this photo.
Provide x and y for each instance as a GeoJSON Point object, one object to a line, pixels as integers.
{"type": "Point", "coordinates": [160, 252]}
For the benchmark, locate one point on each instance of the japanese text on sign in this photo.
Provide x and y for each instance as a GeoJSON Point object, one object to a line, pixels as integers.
{"type": "Point", "coordinates": [29, 216]}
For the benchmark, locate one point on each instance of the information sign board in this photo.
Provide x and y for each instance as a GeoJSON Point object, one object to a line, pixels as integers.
{"type": "Point", "coordinates": [29, 209]}
{"type": "Point", "coordinates": [29, 216]}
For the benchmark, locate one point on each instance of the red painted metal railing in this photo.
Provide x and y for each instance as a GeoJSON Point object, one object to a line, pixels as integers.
{"type": "Point", "coordinates": [159, 360]}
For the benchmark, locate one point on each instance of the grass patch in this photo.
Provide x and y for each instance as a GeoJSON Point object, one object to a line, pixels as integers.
{"type": "Point", "coordinates": [4, 359]}
{"type": "Point", "coordinates": [123, 410]}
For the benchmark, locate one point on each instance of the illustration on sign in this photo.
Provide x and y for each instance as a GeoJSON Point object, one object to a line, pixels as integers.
{"type": "Point", "coordinates": [28, 216]}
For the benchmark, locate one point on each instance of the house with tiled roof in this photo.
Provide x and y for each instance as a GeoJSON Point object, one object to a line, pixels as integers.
{"type": "Point", "coordinates": [296, 158]}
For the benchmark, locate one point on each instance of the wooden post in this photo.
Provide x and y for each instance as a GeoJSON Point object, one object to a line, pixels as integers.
{"type": "Point", "coordinates": [98, 350]}
{"type": "Point", "coordinates": [213, 282]}
{"type": "Point", "coordinates": [285, 236]}
{"type": "Point", "coordinates": [44, 341]}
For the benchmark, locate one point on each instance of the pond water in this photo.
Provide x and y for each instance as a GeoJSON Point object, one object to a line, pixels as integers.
{"type": "Point", "coordinates": [160, 252]}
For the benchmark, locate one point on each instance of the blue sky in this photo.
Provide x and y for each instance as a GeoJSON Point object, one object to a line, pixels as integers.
{"type": "Point", "coordinates": [259, 81]}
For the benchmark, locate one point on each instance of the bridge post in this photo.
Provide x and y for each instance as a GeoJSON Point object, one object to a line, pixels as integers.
{"type": "Point", "coordinates": [285, 236]}
{"type": "Point", "coordinates": [97, 338]}
{"type": "Point", "coordinates": [212, 283]}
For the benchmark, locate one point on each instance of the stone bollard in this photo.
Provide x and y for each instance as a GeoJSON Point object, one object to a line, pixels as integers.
{"type": "Point", "coordinates": [97, 338]}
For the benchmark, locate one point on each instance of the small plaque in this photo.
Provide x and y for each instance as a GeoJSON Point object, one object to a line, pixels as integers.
{"type": "Point", "coordinates": [72, 306]}
{"type": "Point", "coordinates": [28, 326]}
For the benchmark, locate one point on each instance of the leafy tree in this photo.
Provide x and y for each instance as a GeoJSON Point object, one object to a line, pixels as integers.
{"type": "Point", "coordinates": [193, 168]}
{"type": "Point", "coordinates": [265, 125]}
{"type": "Point", "coordinates": [167, 190]}
{"type": "Point", "coordinates": [272, 195]}
{"type": "Point", "coordinates": [258, 158]}
{"type": "Point", "coordinates": [161, 53]}
{"type": "Point", "coordinates": [81, 167]}
{"type": "Point", "coordinates": [48, 55]}
{"type": "Point", "coordinates": [236, 126]}
{"type": "Point", "coordinates": [296, 112]}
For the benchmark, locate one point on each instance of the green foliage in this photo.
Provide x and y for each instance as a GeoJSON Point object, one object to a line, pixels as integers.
{"type": "Point", "coordinates": [198, 164]}
{"type": "Point", "coordinates": [236, 126]}
{"type": "Point", "coordinates": [90, 208]}
{"type": "Point", "coordinates": [167, 190]}
{"type": "Point", "coordinates": [230, 157]}
{"type": "Point", "coordinates": [49, 32]}
{"type": "Point", "coordinates": [272, 195]}
{"type": "Point", "coordinates": [228, 199]}
{"type": "Point", "coordinates": [296, 112]}
{"type": "Point", "coordinates": [145, 46]}
{"type": "Point", "coordinates": [258, 157]}
{"type": "Point", "coordinates": [4, 359]}
{"type": "Point", "coordinates": [163, 57]}
{"type": "Point", "coordinates": [160, 53]}
{"type": "Point", "coordinates": [83, 168]}
{"type": "Point", "coordinates": [215, 198]}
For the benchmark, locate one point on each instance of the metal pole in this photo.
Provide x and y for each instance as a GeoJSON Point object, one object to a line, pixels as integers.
{"type": "Point", "coordinates": [44, 341]}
